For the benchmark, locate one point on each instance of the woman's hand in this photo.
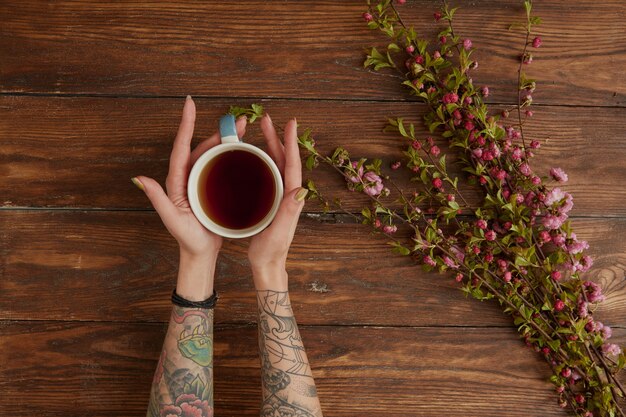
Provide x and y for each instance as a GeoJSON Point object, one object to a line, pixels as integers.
{"type": "Point", "coordinates": [268, 250]}
{"type": "Point", "coordinates": [198, 246]}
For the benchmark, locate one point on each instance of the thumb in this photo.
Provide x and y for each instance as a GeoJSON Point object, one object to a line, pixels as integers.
{"type": "Point", "coordinates": [160, 201]}
{"type": "Point", "coordinates": [289, 211]}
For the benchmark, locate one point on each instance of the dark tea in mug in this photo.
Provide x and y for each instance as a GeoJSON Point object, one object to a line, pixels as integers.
{"type": "Point", "coordinates": [236, 189]}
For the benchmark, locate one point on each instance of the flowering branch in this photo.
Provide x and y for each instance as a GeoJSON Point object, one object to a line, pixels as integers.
{"type": "Point", "coordinates": [520, 249]}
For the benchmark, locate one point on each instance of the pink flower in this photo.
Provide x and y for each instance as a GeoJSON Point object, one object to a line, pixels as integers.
{"type": "Point", "coordinates": [358, 176]}
{"type": "Point", "coordinates": [580, 399]}
{"type": "Point", "coordinates": [416, 145]}
{"type": "Point", "coordinates": [390, 229]}
{"type": "Point", "coordinates": [554, 196]}
{"type": "Point", "coordinates": [435, 150]}
{"type": "Point", "coordinates": [368, 17]}
{"type": "Point", "coordinates": [586, 262]}
{"type": "Point", "coordinates": [545, 236]}
{"type": "Point", "coordinates": [559, 240]}
{"type": "Point", "coordinates": [419, 59]}
{"type": "Point", "coordinates": [566, 372]}
{"type": "Point", "coordinates": [577, 247]}
{"type": "Point", "coordinates": [449, 262]}
{"type": "Point", "coordinates": [535, 180]}
{"type": "Point", "coordinates": [534, 144]}
{"type": "Point", "coordinates": [396, 165]}
{"type": "Point", "coordinates": [437, 55]}
{"type": "Point", "coordinates": [457, 253]}
{"type": "Point", "coordinates": [187, 405]}
{"type": "Point", "coordinates": [458, 277]}
{"type": "Point", "coordinates": [607, 332]}
{"type": "Point", "coordinates": [490, 235]}
{"type": "Point", "coordinates": [429, 261]}
{"type": "Point", "coordinates": [525, 169]}
{"type": "Point", "coordinates": [559, 175]}
{"type": "Point", "coordinates": [516, 155]}
{"type": "Point", "coordinates": [467, 43]}
{"type": "Point", "coordinates": [437, 16]}
{"type": "Point", "coordinates": [537, 42]}
{"type": "Point", "coordinates": [485, 91]}
{"type": "Point", "coordinates": [553, 222]}
{"type": "Point", "coordinates": [437, 183]}
{"type": "Point", "coordinates": [559, 305]}
{"type": "Point", "coordinates": [374, 190]}
{"type": "Point", "coordinates": [481, 224]}
{"type": "Point", "coordinates": [507, 276]}
{"type": "Point", "coordinates": [529, 113]}
{"type": "Point", "coordinates": [450, 98]}
{"type": "Point", "coordinates": [611, 349]}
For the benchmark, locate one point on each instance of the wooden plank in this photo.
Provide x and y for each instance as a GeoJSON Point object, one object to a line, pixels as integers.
{"type": "Point", "coordinates": [101, 369]}
{"type": "Point", "coordinates": [311, 49]}
{"type": "Point", "coordinates": [81, 152]}
{"type": "Point", "coordinates": [121, 266]}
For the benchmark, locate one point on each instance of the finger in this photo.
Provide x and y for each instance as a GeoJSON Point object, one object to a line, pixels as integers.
{"type": "Point", "coordinates": [293, 165]}
{"type": "Point", "coordinates": [275, 148]}
{"type": "Point", "coordinates": [179, 159]}
{"type": "Point", "coordinates": [289, 211]}
{"type": "Point", "coordinates": [167, 211]}
{"type": "Point", "coordinates": [215, 140]}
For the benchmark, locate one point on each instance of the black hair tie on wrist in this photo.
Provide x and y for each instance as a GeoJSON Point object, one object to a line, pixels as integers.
{"type": "Point", "coordinates": [206, 304]}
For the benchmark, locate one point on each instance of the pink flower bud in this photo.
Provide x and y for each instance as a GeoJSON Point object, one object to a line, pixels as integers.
{"type": "Point", "coordinates": [566, 372]}
{"type": "Point", "coordinates": [437, 16]}
{"type": "Point", "coordinates": [368, 17]}
{"type": "Point", "coordinates": [481, 224]}
{"type": "Point", "coordinates": [390, 229]}
{"type": "Point", "coordinates": [443, 39]}
{"type": "Point", "coordinates": [467, 43]}
{"type": "Point", "coordinates": [419, 59]}
{"type": "Point", "coordinates": [396, 165]}
{"type": "Point", "coordinates": [437, 183]}
{"type": "Point", "coordinates": [435, 150]}
{"type": "Point", "coordinates": [537, 42]}
{"type": "Point", "coordinates": [559, 305]}
{"type": "Point", "coordinates": [507, 276]}
{"type": "Point", "coordinates": [459, 277]}
{"type": "Point", "coordinates": [490, 235]}
{"type": "Point", "coordinates": [580, 399]}
{"type": "Point", "coordinates": [529, 113]}
{"type": "Point", "coordinates": [410, 49]}
{"type": "Point", "coordinates": [416, 145]}
{"type": "Point", "coordinates": [437, 55]}
{"type": "Point", "coordinates": [555, 275]}
{"type": "Point", "coordinates": [484, 91]}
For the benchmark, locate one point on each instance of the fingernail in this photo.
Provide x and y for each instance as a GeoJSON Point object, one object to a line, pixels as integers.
{"type": "Point", "coordinates": [268, 117]}
{"type": "Point", "coordinates": [242, 117]}
{"type": "Point", "coordinates": [138, 183]}
{"type": "Point", "coordinates": [301, 195]}
{"type": "Point", "coordinates": [188, 97]}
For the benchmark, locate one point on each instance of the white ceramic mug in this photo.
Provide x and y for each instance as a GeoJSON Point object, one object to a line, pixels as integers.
{"type": "Point", "coordinates": [230, 142]}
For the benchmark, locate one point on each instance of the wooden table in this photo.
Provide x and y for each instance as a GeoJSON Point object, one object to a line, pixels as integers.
{"type": "Point", "coordinates": [91, 96]}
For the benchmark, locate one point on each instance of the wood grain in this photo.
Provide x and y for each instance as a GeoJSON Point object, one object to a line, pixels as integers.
{"type": "Point", "coordinates": [81, 152]}
{"type": "Point", "coordinates": [101, 369]}
{"type": "Point", "coordinates": [121, 266]}
{"type": "Point", "coordinates": [305, 49]}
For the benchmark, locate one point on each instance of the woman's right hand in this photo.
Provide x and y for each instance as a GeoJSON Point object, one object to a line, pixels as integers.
{"type": "Point", "coordinates": [268, 250]}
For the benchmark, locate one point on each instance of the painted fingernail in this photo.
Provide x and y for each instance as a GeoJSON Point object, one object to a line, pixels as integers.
{"type": "Point", "coordinates": [301, 195]}
{"type": "Point", "coordinates": [138, 183]}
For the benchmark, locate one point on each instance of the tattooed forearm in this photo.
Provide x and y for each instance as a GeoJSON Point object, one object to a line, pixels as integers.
{"type": "Point", "coordinates": [183, 381]}
{"type": "Point", "coordinates": [288, 385]}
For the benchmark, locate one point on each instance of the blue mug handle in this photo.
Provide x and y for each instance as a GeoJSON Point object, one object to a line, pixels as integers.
{"type": "Point", "coordinates": [228, 130]}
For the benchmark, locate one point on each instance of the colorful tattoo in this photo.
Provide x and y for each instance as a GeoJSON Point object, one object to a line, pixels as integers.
{"type": "Point", "coordinates": [183, 381]}
{"type": "Point", "coordinates": [288, 385]}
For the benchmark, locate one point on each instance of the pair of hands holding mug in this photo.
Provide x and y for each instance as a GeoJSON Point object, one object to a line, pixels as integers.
{"type": "Point", "coordinates": [199, 247]}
